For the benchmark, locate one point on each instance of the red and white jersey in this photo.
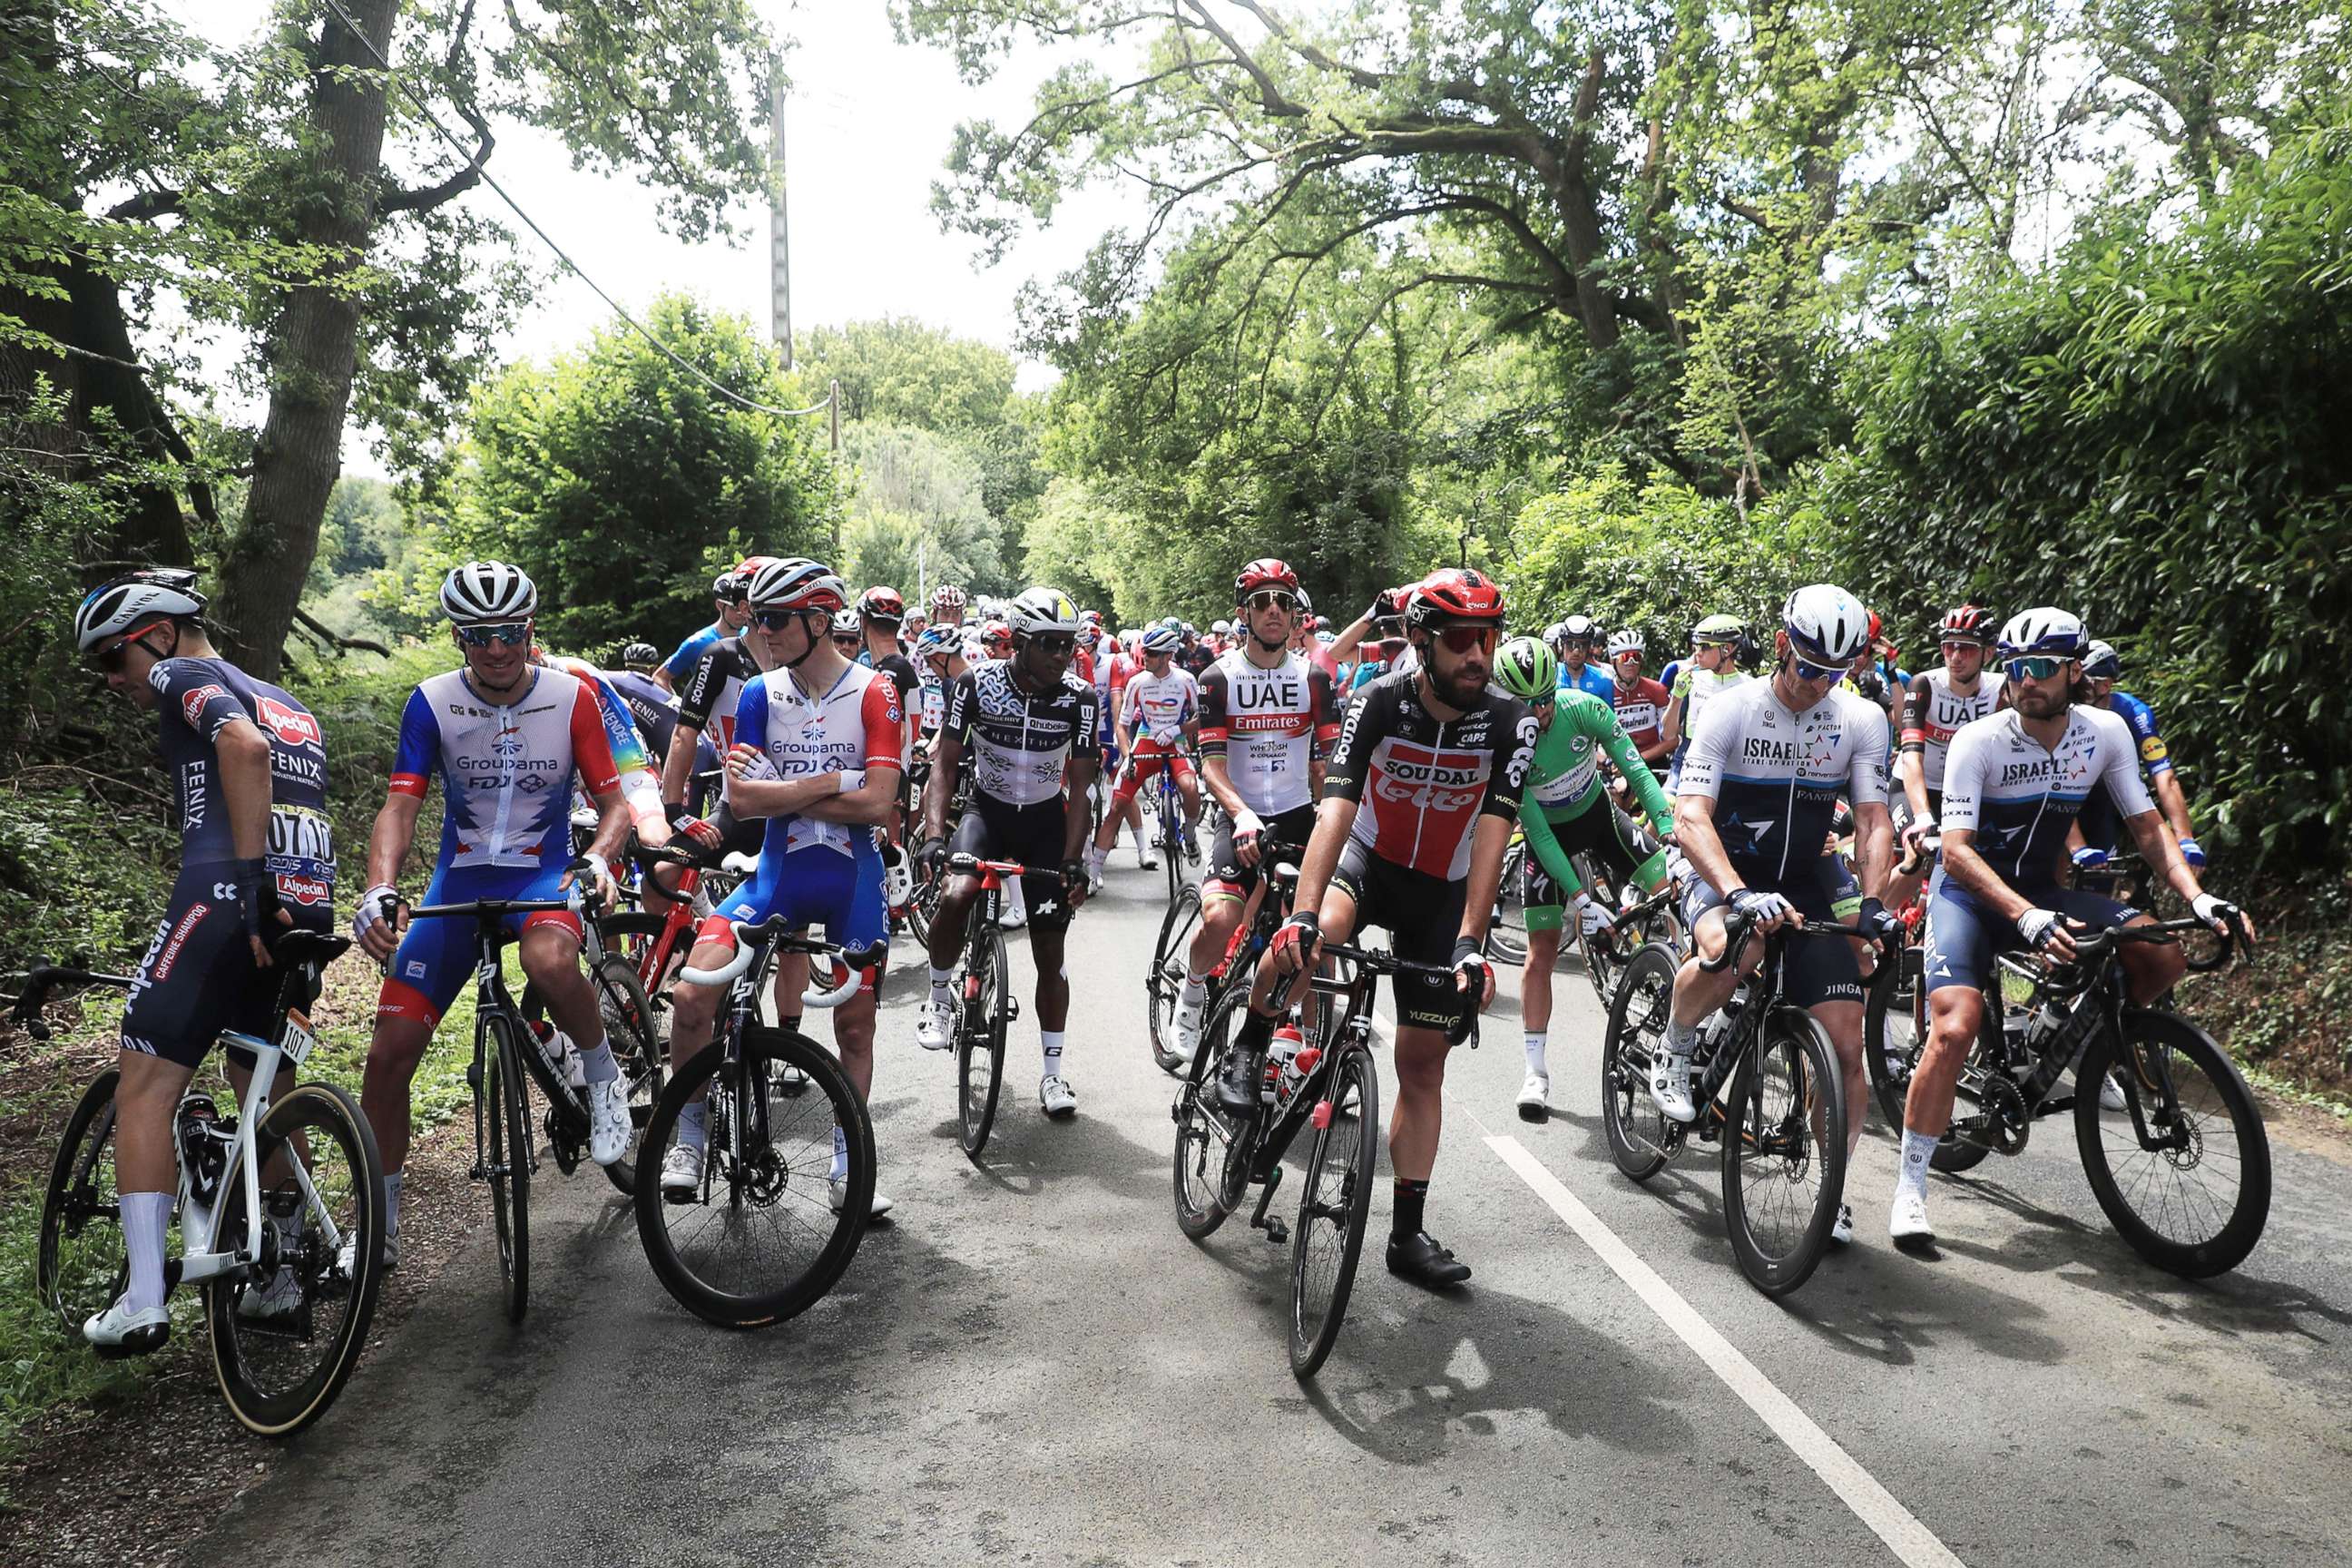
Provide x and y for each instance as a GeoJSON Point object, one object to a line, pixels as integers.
{"type": "Point", "coordinates": [1267, 724]}
{"type": "Point", "coordinates": [855, 726]}
{"type": "Point", "coordinates": [1933, 713]}
{"type": "Point", "coordinates": [1159, 705]}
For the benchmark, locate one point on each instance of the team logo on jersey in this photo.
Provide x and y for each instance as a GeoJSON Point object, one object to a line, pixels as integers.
{"type": "Point", "coordinates": [292, 726]}
{"type": "Point", "coordinates": [304, 890]}
{"type": "Point", "coordinates": [508, 745]}
{"type": "Point", "coordinates": [192, 703]}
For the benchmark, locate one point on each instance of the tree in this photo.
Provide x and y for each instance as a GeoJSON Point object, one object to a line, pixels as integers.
{"type": "Point", "coordinates": [623, 483]}
{"type": "Point", "coordinates": [901, 371]}
{"type": "Point", "coordinates": [918, 517]}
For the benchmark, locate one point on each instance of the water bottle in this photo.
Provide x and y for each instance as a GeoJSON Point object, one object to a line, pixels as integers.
{"type": "Point", "coordinates": [562, 1058]}
{"type": "Point", "coordinates": [203, 1151]}
{"type": "Point", "coordinates": [1282, 1074]}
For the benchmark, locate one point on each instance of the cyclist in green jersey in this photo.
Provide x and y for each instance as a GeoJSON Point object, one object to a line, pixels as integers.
{"type": "Point", "coordinates": [1566, 811]}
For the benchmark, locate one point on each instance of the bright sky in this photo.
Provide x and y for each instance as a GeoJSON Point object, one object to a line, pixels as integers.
{"type": "Point", "coordinates": [868, 127]}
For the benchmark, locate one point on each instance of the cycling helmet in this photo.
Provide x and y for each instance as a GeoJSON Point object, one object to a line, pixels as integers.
{"type": "Point", "coordinates": [996, 632]}
{"type": "Point", "coordinates": [847, 623]}
{"type": "Point", "coordinates": [1305, 604]}
{"type": "Point", "coordinates": [1093, 618]}
{"type": "Point", "coordinates": [796, 583]}
{"type": "Point", "coordinates": [1173, 623]}
{"type": "Point", "coordinates": [1453, 594]}
{"type": "Point", "coordinates": [486, 591]}
{"type": "Point", "coordinates": [881, 604]}
{"type": "Point", "coordinates": [938, 642]}
{"type": "Point", "coordinates": [2042, 631]}
{"type": "Point", "coordinates": [730, 585]}
{"type": "Point", "coordinates": [948, 597]}
{"type": "Point", "coordinates": [1264, 571]}
{"type": "Point", "coordinates": [1042, 610]}
{"type": "Point", "coordinates": [640, 658]}
{"type": "Point", "coordinates": [723, 586]}
{"type": "Point", "coordinates": [1159, 640]}
{"type": "Point", "coordinates": [1720, 631]}
{"type": "Point", "coordinates": [1526, 669]}
{"type": "Point", "coordinates": [1326, 635]}
{"type": "Point", "coordinates": [134, 603]}
{"type": "Point", "coordinates": [1578, 628]}
{"type": "Point", "coordinates": [1190, 630]}
{"type": "Point", "coordinates": [1965, 623]}
{"type": "Point", "coordinates": [1624, 642]}
{"type": "Point", "coordinates": [1222, 628]}
{"type": "Point", "coordinates": [2100, 662]}
{"type": "Point", "coordinates": [1825, 624]}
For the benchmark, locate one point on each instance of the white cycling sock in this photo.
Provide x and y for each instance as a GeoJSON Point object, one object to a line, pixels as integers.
{"type": "Point", "coordinates": [694, 1123]}
{"type": "Point", "coordinates": [840, 1155]}
{"type": "Point", "coordinates": [1196, 991]}
{"type": "Point", "coordinates": [144, 1216]}
{"type": "Point", "coordinates": [1535, 1053]}
{"type": "Point", "coordinates": [1053, 1043]}
{"type": "Point", "coordinates": [1919, 1148]}
{"type": "Point", "coordinates": [392, 1203]}
{"type": "Point", "coordinates": [1680, 1038]}
{"type": "Point", "coordinates": [597, 1066]}
{"type": "Point", "coordinates": [940, 983]}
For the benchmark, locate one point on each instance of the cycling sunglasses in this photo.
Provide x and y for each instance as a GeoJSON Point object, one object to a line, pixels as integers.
{"type": "Point", "coordinates": [1462, 640]}
{"type": "Point", "coordinates": [775, 620]}
{"type": "Point", "coordinates": [1808, 670]}
{"type": "Point", "coordinates": [1271, 599]}
{"type": "Point", "coordinates": [512, 636]}
{"type": "Point", "coordinates": [2040, 668]}
{"type": "Point", "coordinates": [848, 642]}
{"type": "Point", "coordinates": [1054, 646]}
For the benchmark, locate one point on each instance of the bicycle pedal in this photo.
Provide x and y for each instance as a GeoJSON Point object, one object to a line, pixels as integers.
{"type": "Point", "coordinates": [1012, 1009]}
{"type": "Point", "coordinates": [1277, 1231]}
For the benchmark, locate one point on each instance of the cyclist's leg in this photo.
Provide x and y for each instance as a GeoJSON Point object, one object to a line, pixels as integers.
{"type": "Point", "coordinates": [1957, 959]}
{"type": "Point", "coordinates": [431, 965]}
{"type": "Point", "coordinates": [695, 1009]}
{"type": "Point", "coordinates": [2150, 969]}
{"type": "Point", "coordinates": [844, 893]}
{"type": "Point", "coordinates": [1423, 915]}
{"type": "Point", "coordinates": [1188, 785]}
{"type": "Point", "coordinates": [1824, 977]}
{"type": "Point", "coordinates": [1541, 902]}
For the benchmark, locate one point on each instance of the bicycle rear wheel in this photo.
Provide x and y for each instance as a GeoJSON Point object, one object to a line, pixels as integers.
{"type": "Point", "coordinates": [1893, 1033]}
{"type": "Point", "coordinates": [1635, 1127]}
{"type": "Point", "coordinates": [286, 1339]}
{"type": "Point", "coordinates": [508, 1157]}
{"type": "Point", "coordinates": [1207, 1145]}
{"type": "Point", "coordinates": [641, 1047]}
{"type": "Point", "coordinates": [1507, 935]}
{"type": "Point", "coordinates": [979, 1036]}
{"type": "Point", "coordinates": [1163, 982]}
{"type": "Point", "coordinates": [1329, 1240]}
{"type": "Point", "coordinates": [761, 1239]}
{"type": "Point", "coordinates": [2193, 1193]}
{"type": "Point", "coordinates": [1171, 845]}
{"type": "Point", "coordinates": [83, 1263]}
{"type": "Point", "coordinates": [1783, 1152]}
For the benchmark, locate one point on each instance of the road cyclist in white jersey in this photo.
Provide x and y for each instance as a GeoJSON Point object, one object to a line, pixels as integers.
{"type": "Point", "coordinates": [1759, 784]}
{"type": "Point", "coordinates": [1935, 707]}
{"type": "Point", "coordinates": [505, 736]}
{"type": "Point", "coordinates": [1268, 719]}
{"type": "Point", "coordinates": [2013, 783]}
{"type": "Point", "coordinates": [1159, 713]}
{"type": "Point", "coordinates": [1712, 670]}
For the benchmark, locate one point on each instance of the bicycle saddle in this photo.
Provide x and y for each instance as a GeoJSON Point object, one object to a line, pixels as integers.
{"type": "Point", "coordinates": [302, 947]}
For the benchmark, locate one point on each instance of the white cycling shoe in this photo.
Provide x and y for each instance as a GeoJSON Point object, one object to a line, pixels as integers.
{"type": "Point", "coordinates": [347, 1255]}
{"type": "Point", "coordinates": [1842, 1229]}
{"type": "Point", "coordinates": [935, 1027]}
{"type": "Point", "coordinates": [281, 1297]}
{"type": "Point", "coordinates": [1186, 1040]}
{"type": "Point", "coordinates": [1670, 1087]}
{"type": "Point", "coordinates": [682, 1172]}
{"type": "Point", "coordinates": [1535, 1097]}
{"type": "Point", "coordinates": [1906, 1221]}
{"type": "Point", "coordinates": [2111, 1094]}
{"type": "Point", "coordinates": [1145, 860]}
{"type": "Point", "coordinates": [1015, 913]}
{"type": "Point", "coordinates": [837, 1193]}
{"type": "Point", "coordinates": [119, 1332]}
{"type": "Point", "coordinates": [1055, 1097]}
{"type": "Point", "coordinates": [608, 1121]}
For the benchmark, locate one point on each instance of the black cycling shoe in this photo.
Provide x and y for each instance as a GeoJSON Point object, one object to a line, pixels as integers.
{"type": "Point", "coordinates": [1419, 1258]}
{"type": "Point", "coordinates": [1238, 1086]}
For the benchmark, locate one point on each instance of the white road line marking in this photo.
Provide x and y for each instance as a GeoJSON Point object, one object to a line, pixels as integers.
{"type": "Point", "coordinates": [1872, 1503]}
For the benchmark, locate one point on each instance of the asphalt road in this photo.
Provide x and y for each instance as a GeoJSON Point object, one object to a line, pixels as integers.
{"type": "Point", "coordinates": [1031, 1365]}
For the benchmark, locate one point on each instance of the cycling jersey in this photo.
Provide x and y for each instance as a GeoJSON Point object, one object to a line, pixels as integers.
{"type": "Point", "coordinates": [1422, 781]}
{"type": "Point", "coordinates": [653, 710]}
{"type": "Point", "coordinates": [1564, 778]}
{"type": "Point", "coordinates": [715, 690]}
{"type": "Point", "coordinates": [1019, 743]}
{"type": "Point", "coordinates": [1641, 709]}
{"type": "Point", "coordinates": [1193, 660]}
{"type": "Point", "coordinates": [198, 697]}
{"type": "Point", "coordinates": [1693, 689]}
{"type": "Point", "coordinates": [2141, 719]}
{"type": "Point", "coordinates": [1158, 707]}
{"type": "Point", "coordinates": [900, 671]}
{"type": "Point", "coordinates": [1932, 712]}
{"type": "Point", "coordinates": [1268, 725]}
{"type": "Point", "coordinates": [680, 663]}
{"type": "Point", "coordinates": [932, 711]}
{"type": "Point", "coordinates": [854, 725]}
{"type": "Point", "coordinates": [505, 769]}
{"type": "Point", "coordinates": [1776, 776]}
{"type": "Point", "coordinates": [640, 785]}
{"type": "Point", "coordinates": [1591, 678]}
{"type": "Point", "coordinates": [2019, 799]}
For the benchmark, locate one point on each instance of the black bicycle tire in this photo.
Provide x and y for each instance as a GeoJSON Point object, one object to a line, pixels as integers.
{"type": "Point", "coordinates": [648, 1049]}
{"type": "Point", "coordinates": [1785, 1027]}
{"type": "Point", "coordinates": [1171, 847]}
{"type": "Point", "coordinates": [1886, 1087]}
{"type": "Point", "coordinates": [1638, 1163]}
{"type": "Point", "coordinates": [320, 1110]}
{"type": "Point", "coordinates": [94, 1100]}
{"type": "Point", "coordinates": [1310, 1349]}
{"type": "Point", "coordinates": [975, 1120]}
{"type": "Point", "coordinates": [2244, 1230]}
{"type": "Point", "coordinates": [1159, 979]}
{"type": "Point", "coordinates": [508, 1157]}
{"type": "Point", "coordinates": [1196, 1103]}
{"type": "Point", "coordinates": [733, 1310]}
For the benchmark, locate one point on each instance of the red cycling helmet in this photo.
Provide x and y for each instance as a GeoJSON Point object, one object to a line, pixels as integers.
{"type": "Point", "coordinates": [881, 604]}
{"type": "Point", "coordinates": [1264, 571]}
{"type": "Point", "coordinates": [1967, 623]}
{"type": "Point", "coordinates": [1453, 594]}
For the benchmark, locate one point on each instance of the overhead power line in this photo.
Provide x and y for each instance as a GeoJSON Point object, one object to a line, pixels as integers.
{"type": "Point", "coordinates": [561, 255]}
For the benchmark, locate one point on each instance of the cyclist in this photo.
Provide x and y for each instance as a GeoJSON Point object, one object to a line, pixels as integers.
{"type": "Point", "coordinates": [1028, 725]}
{"type": "Point", "coordinates": [880, 612]}
{"type": "Point", "coordinates": [1760, 786]}
{"type": "Point", "coordinates": [1267, 717]}
{"type": "Point", "coordinates": [2012, 784]}
{"type": "Point", "coordinates": [816, 761]}
{"type": "Point", "coordinates": [705, 733]}
{"type": "Point", "coordinates": [1640, 702]}
{"type": "Point", "coordinates": [1416, 812]}
{"type": "Point", "coordinates": [849, 636]}
{"type": "Point", "coordinates": [1933, 708]}
{"type": "Point", "coordinates": [938, 655]}
{"type": "Point", "coordinates": [1565, 811]}
{"type": "Point", "coordinates": [995, 641]}
{"type": "Point", "coordinates": [1165, 703]}
{"type": "Point", "coordinates": [249, 769]}
{"type": "Point", "coordinates": [2102, 829]}
{"type": "Point", "coordinates": [1576, 640]}
{"type": "Point", "coordinates": [641, 658]}
{"type": "Point", "coordinates": [1195, 657]}
{"type": "Point", "coordinates": [948, 605]}
{"type": "Point", "coordinates": [1713, 668]}
{"type": "Point", "coordinates": [727, 591]}
{"type": "Point", "coordinates": [505, 736]}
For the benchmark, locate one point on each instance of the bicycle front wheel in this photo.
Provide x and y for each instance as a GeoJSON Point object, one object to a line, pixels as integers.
{"type": "Point", "coordinates": [1893, 1031]}
{"type": "Point", "coordinates": [786, 1189]}
{"type": "Point", "coordinates": [1210, 1147]}
{"type": "Point", "coordinates": [507, 1159]}
{"type": "Point", "coordinates": [83, 1262]}
{"type": "Point", "coordinates": [286, 1339]}
{"type": "Point", "coordinates": [1784, 1152]}
{"type": "Point", "coordinates": [979, 1037]}
{"type": "Point", "coordinates": [1163, 982]}
{"type": "Point", "coordinates": [639, 1045]}
{"type": "Point", "coordinates": [2184, 1170]}
{"type": "Point", "coordinates": [1328, 1238]}
{"type": "Point", "coordinates": [1636, 1128]}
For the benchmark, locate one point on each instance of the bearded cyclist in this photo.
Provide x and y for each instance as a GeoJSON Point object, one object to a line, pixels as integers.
{"type": "Point", "coordinates": [1417, 808]}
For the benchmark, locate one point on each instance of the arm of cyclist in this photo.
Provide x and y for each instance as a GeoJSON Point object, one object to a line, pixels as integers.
{"type": "Point", "coordinates": [613, 819]}
{"type": "Point", "coordinates": [1077, 823]}
{"type": "Point", "coordinates": [2158, 848]}
{"type": "Point", "coordinates": [244, 753]}
{"type": "Point", "coordinates": [388, 841]}
{"type": "Point", "coordinates": [1633, 766]}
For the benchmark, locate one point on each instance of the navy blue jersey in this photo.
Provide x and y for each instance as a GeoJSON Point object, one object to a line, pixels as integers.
{"type": "Point", "coordinates": [653, 710]}
{"type": "Point", "coordinates": [199, 697]}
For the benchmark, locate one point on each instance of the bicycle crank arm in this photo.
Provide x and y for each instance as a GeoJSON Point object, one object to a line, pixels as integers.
{"type": "Point", "coordinates": [1276, 1231]}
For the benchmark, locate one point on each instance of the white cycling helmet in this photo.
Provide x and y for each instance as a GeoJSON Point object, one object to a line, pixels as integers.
{"type": "Point", "coordinates": [135, 602]}
{"type": "Point", "coordinates": [1223, 628]}
{"type": "Point", "coordinates": [1624, 642]}
{"type": "Point", "coordinates": [796, 583]}
{"type": "Point", "coordinates": [2047, 630]}
{"type": "Point", "coordinates": [2100, 661]}
{"type": "Point", "coordinates": [485, 592]}
{"type": "Point", "coordinates": [1159, 640]}
{"type": "Point", "coordinates": [1042, 610]}
{"type": "Point", "coordinates": [1825, 624]}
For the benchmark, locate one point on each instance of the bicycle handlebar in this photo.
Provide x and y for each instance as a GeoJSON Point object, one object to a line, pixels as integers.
{"type": "Point", "coordinates": [43, 978]}
{"type": "Point", "coordinates": [750, 940]}
{"type": "Point", "coordinates": [1738, 928]}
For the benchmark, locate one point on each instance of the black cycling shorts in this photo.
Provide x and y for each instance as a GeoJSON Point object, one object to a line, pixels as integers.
{"type": "Point", "coordinates": [1601, 830]}
{"type": "Point", "coordinates": [1228, 878]}
{"type": "Point", "coordinates": [199, 978]}
{"type": "Point", "coordinates": [1033, 834]}
{"type": "Point", "coordinates": [1820, 968]}
{"type": "Point", "coordinates": [1422, 916]}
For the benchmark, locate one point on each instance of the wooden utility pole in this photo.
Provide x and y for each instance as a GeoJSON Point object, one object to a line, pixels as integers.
{"type": "Point", "coordinates": [779, 235]}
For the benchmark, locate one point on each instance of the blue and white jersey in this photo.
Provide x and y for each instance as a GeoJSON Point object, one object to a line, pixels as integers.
{"type": "Point", "coordinates": [1776, 776]}
{"type": "Point", "coordinates": [2019, 799]}
{"type": "Point", "coordinates": [505, 768]}
{"type": "Point", "coordinates": [855, 726]}
{"type": "Point", "coordinates": [1591, 679]}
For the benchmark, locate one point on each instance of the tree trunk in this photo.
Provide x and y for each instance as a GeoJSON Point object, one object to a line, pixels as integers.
{"type": "Point", "coordinates": [314, 347]}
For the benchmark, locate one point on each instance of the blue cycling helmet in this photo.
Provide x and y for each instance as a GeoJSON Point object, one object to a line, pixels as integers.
{"type": "Point", "coordinates": [1161, 639]}
{"type": "Point", "coordinates": [2100, 662]}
